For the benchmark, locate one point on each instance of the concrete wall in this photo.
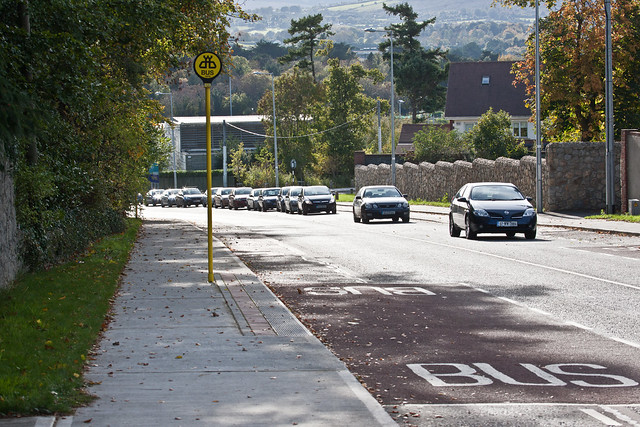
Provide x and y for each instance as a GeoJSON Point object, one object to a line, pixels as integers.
{"type": "Point", "coordinates": [573, 176]}
{"type": "Point", "coordinates": [9, 261]}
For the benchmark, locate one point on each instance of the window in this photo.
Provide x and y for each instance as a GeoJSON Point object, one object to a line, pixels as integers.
{"type": "Point", "coordinates": [485, 80]}
{"type": "Point", "coordinates": [520, 129]}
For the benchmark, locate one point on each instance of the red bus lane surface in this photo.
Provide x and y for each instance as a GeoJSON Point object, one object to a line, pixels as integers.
{"type": "Point", "coordinates": [455, 344]}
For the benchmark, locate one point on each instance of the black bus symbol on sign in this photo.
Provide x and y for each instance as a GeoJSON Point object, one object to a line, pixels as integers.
{"type": "Point", "coordinates": [207, 66]}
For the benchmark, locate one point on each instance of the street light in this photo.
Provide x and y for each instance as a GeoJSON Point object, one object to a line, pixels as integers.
{"type": "Point", "coordinates": [275, 132]}
{"type": "Point", "coordinates": [400, 102]}
{"type": "Point", "coordinates": [173, 139]}
{"type": "Point", "coordinates": [393, 136]}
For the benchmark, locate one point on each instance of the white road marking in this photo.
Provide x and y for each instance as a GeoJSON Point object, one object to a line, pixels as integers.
{"type": "Point", "coordinates": [602, 418]}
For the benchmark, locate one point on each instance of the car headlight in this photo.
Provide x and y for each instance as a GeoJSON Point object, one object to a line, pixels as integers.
{"type": "Point", "coordinates": [481, 212]}
{"type": "Point", "coordinates": [404, 205]}
{"type": "Point", "coordinates": [332, 200]}
{"type": "Point", "coordinates": [529, 212]}
{"type": "Point", "coordinates": [308, 201]}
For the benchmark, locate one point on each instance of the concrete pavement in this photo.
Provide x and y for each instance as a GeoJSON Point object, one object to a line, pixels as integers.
{"type": "Point", "coordinates": [180, 351]}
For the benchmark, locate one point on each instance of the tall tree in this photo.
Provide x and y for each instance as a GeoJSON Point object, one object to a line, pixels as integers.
{"type": "Point", "coordinates": [572, 45]}
{"type": "Point", "coordinates": [306, 34]}
{"type": "Point", "coordinates": [419, 73]}
{"type": "Point", "coordinates": [344, 119]}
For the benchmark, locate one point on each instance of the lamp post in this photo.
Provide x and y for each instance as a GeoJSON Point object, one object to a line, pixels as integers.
{"type": "Point", "coordinates": [275, 132]}
{"type": "Point", "coordinates": [173, 139]}
{"type": "Point", "coordinates": [539, 201]}
{"type": "Point", "coordinates": [393, 135]}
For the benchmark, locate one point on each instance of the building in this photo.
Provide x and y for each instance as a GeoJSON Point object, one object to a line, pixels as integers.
{"type": "Point", "coordinates": [474, 87]}
{"type": "Point", "coordinates": [190, 138]}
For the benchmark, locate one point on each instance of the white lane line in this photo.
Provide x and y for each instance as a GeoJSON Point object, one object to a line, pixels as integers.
{"type": "Point", "coordinates": [529, 263]}
{"type": "Point", "coordinates": [602, 418]}
{"type": "Point", "coordinates": [624, 414]}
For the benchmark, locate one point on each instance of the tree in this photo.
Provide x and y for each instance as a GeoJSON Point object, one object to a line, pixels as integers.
{"type": "Point", "coordinates": [90, 115]}
{"type": "Point", "coordinates": [572, 45]}
{"type": "Point", "coordinates": [344, 119]}
{"type": "Point", "coordinates": [306, 33]}
{"type": "Point", "coordinates": [419, 73]}
{"type": "Point", "coordinates": [296, 98]}
{"type": "Point", "coordinates": [492, 137]}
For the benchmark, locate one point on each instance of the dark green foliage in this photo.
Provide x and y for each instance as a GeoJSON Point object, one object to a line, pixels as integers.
{"type": "Point", "coordinates": [492, 137]}
{"type": "Point", "coordinates": [305, 35]}
{"type": "Point", "coordinates": [436, 144]}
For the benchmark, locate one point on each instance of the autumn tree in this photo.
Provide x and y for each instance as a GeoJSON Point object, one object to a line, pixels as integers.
{"type": "Point", "coordinates": [419, 73]}
{"type": "Point", "coordinates": [572, 79]}
{"type": "Point", "coordinates": [306, 34]}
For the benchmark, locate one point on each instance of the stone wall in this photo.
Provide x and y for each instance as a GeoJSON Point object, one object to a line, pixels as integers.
{"type": "Point", "coordinates": [9, 261]}
{"type": "Point", "coordinates": [573, 176]}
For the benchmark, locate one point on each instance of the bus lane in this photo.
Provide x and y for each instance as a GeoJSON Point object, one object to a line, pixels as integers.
{"type": "Point", "coordinates": [455, 344]}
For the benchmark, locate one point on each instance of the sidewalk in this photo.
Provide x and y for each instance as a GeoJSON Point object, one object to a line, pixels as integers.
{"type": "Point", "coordinates": [180, 351]}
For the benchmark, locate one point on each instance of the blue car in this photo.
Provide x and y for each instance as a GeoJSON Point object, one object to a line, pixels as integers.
{"type": "Point", "coordinates": [380, 202]}
{"type": "Point", "coordinates": [492, 207]}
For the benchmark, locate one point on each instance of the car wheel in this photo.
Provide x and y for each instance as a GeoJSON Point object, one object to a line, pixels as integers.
{"type": "Point", "coordinates": [511, 234]}
{"type": "Point", "coordinates": [305, 210]}
{"type": "Point", "coordinates": [467, 229]}
{"type": "Point", "coordinates": [395, 219]}
{"type": "Point", "coordinates": [454, 230]}
{"type": "Point", "coordinates": [405, 218]}
{"type": "Point", "coordinates": [530, 235]}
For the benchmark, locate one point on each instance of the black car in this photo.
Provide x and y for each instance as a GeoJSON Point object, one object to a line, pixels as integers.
{"type": "Point", "coordinates": [153, 197]}
{"type": "Point", "coordinates": [221, 199]}
{"type": "Point", "coordinates": [238, 197]}
{"type": "Point", "coordinates": [380, 202]}
{"type": "Point", "coordinates": [291, 200]}
{"type": "Point", "coordinates": [268, 199]}
{"type": "Point", "coordinates": [316, 198]}
{"type": "Point", "coordinates": [188, 196]}
{"type": "Point", "coordinates": [284, 192]}
{"type": "Point", "coordinates": [492, 207]}
{"type": "Point", "coordinates": [252, 199]}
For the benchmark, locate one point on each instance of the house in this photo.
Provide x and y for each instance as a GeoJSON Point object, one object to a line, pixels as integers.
{"type": "Point", "coordinates": [190, 137]}
{"type": "Point", "coordinates": [474, 87]}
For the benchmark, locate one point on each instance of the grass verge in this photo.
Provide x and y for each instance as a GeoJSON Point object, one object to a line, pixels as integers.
{"type": "Point", "coordinates": [49, 322]}
{"type": "Point", "coordinates": [618, 217]}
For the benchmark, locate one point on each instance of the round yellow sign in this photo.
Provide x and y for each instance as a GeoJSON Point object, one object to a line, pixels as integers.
{"type": "Point", "coordinates": [207, 66]}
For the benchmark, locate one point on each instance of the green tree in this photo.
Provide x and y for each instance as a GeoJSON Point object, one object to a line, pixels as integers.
{"type": "Point", "coordinates": [306, 34]}
{"type": "Point", "coordinates": [435, 144]}
{"type": "Point", "coordinates": [419, 73]}
{"type": "Point", "coordinates": [492, 137]}
{"type": "Point", "coordinates": [87, 131]}
{"type": "Point", "coordinates": [296, 98]}
{"type": "Point", "coordinates": [344, 119]}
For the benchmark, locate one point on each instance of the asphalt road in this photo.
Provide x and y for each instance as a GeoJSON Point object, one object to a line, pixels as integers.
{"type": "Point", "coordinates": [445, 331]}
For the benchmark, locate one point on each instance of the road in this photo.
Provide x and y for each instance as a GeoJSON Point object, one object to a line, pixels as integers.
{"type": "Point", "coordinates": [446, 331]}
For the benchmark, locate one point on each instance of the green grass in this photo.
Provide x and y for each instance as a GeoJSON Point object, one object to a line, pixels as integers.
{"type": "Point", "coordinates": [623, 217]}
{"type": "Point", "coordinates": [442, 202]}
{"type": "Point", "coordinates": [50, 320]}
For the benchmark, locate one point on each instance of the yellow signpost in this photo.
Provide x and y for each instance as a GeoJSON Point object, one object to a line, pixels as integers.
{"type": "Point", "coordinates": [207, 66]}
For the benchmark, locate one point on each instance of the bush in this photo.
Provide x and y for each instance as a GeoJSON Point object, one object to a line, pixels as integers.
{"type": "Point", "coordinates": [438, 144]}
{"type": "Point", "coordinates": [491, 137]}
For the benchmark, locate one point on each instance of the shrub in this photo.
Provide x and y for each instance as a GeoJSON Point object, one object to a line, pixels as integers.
{"type": "Point", "coordinates": [437, 144]}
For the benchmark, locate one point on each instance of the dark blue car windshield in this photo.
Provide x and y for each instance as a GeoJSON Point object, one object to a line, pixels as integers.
{"type": "Point", "coordinates": [496, 192]}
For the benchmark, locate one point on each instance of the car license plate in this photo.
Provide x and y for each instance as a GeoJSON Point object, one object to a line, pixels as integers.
{"type": "Point", "coordinates": [507, 223]}
{"type": "Point", "coordinates": [321, 206]}
{"type": "Point", "coordinates": [388, 212]}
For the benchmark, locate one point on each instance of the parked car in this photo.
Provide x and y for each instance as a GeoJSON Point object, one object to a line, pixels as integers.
{"type": "Point", "coordinates": [252, 199]}
{"type": "Point", "coordinates": [188, 196]}
{"type": "Point", "coordinates": [238, 197]}
{"type": "Point", "coordinates": [316, 198]}
{"type": "Point", "coordinates": [221, 199]}
{"type": "Point", "coordinates": [153, 197]}
{"type": "Point", "coordinates": [492, 207]}
{"type": "Point", "coordinates": [291, 200]}
{"type": "Point", "coordinates": [268, 199]}
{"type": "Point", "coordinates": [204, 197]}
{"type": "Point", "coordinates": [284, 191]}
{"type": "Point", "coordinates": [380, 202]}
{"type": "Point", "coordinates": [169, 197]}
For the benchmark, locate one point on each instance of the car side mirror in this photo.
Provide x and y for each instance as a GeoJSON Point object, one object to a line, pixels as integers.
{"type": "Point", "coordinates": [358, 198]}
{"type": "Point", "coordinates": [462, 200]}
{"type": "Point", "coordinates": [406, 196]}
{"type": "Point", "coordinates": [529, 199]}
